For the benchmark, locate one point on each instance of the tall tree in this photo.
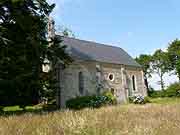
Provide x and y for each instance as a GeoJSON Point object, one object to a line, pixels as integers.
{"type": "Point", "coordinates": [160, 65]}
{"type": "Point", "coordinates": [65, 31]}
{"type": "Point", "coordinates": [145, 61]}
{"type": "Point", "coordinates": [174, 56]}
{"type": "Point", "coordinates": [24, 48]}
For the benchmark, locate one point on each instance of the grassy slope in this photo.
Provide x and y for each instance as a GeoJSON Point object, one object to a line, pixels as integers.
{"type": "Point", "coordinates": [150, 119]}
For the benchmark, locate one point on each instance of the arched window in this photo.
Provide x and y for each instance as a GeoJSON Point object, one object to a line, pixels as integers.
{"type": "Point", "coordinates": [134, 82]}
{"type": "Point", "coordinates": [81, 83]}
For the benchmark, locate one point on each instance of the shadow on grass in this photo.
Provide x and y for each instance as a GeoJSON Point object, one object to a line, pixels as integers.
{"type": "Point", "coordinates": [14, 110]}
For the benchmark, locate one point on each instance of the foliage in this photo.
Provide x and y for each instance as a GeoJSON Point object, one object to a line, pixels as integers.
{"type": "Point", "coordinates": [138, 99]}
{"type": "Point", "coordinates": [161, 62]}
{"type": "Point", "coordinates": [91, 101]}
{"type": "Point", "coordinates": [160, 65]}
{"type": "Point", "coordinates": [156, 94]}
{"type": "Point", "coordinates": [174, 56]}
{"type": "Point", "coordinates": [172, 91]}
{"type": "Point", "coordinates": [64, 31]}
{"type": "Point", "coordinates": [145, 61]}
{"type": "Point", "coordinates": [147, 99]}
{"type": "Point", "coordinates": [23, 50]}
{"type": "Point", "coordinates": [110, 97]}
{"type": "Point", "coordinates": [51, 106]}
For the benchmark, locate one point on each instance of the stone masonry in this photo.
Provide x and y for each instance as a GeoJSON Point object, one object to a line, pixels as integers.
{"type": "Point", "coordinates": [99, 77]}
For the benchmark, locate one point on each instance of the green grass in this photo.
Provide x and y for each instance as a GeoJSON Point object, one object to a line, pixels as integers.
{"type": "Point", "coordinates": [39, 107]}
{"type": "Point", "coordinates": [165, 100]}
{"type": "Point", "coordinates": [149, 119]}
{"type": "Point", "coordinates": [17, 108]}
{"type": "Point", "coordinates": [161, 117]}
{"type": "Point", "coordinates": [12, 108]}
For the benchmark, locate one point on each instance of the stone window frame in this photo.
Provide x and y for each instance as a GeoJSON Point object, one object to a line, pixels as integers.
{"type": "Point", "coordinates": [81, 82]}
{"type": "Point", "coordinates": [109, 76]}
{"type": "Point", "coordinates": [134, 82]}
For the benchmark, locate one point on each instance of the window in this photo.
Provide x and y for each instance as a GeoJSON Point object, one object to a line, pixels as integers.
{"type": "Point", "coordinates": [133, 82]}
{"type": "Point", "coordinates": [81, 83]}
{"type": "Point", "coordinates": [111, 77]}
{"type": "Point", "coordinates": [98, 77]}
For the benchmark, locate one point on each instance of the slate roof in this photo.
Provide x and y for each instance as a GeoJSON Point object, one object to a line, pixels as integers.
{"type": "Point", "coordinates": [91, 51]}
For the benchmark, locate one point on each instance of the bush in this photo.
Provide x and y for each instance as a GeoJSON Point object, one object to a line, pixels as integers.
{"type": "Point", "coordinates": [156, 94]}
{"type": "Point", "coordinates": [138, 99]}
{"type": "Point", "coordinates": [1, 108]}
{"type": "Point", "coordinates": [147, 100]}
{"type": "Point", "coordinates": [91, 101]}
{"type": "Point", "coordinates": [110, 97]}
{"type": "Point", "coordinates": [172, 91]}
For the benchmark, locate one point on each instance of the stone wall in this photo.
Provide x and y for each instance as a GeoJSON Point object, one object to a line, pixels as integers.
{"type": "Point", "coordinates": [98, 73]}
{"type": "Point", "coordinates": [117, 83]}
{"type": "Point", "coordinates": [139, 80]}
{"type": "Point", "coordinates": [70, 81]}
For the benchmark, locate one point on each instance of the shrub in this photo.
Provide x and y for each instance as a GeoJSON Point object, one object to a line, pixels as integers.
{"type": "Point", "coordinates": [1, 108]}
{"type": "Point", "coordinates": [79, 102]}
{"type": "Point", "coordinates": [110, 97]}
{"type": "Point", "coordinates": [91, 101]}
{"type": "Point", "coordinates": [147, 100]}
{"type": "Point", "coordinates": [156, 94]}
{"type": "Point", "coordinates": [172, 91]}
{"type": "Point", "coordinates": [49, 107]}
{"type": "Point", "coordinates": [138, 99]}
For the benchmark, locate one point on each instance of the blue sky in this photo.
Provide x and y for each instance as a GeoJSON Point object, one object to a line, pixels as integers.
{"type": "Point", "coordinates": [137, 26]}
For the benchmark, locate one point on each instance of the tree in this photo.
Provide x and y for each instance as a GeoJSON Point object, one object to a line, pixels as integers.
{"type": "Point", "coordinates": [145, 61]}
{"type": "Point", "coordinates": [24, 48]}
{"type": "Point", "coordinates": [160, 65]}
{"type": "Point", "coordinates": [64, 31]}
{"type": "Point", "coordinates": [174, 56]}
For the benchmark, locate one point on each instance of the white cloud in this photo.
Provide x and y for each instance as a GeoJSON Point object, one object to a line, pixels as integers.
{"type": "Point", "coordinates": [169, 78]}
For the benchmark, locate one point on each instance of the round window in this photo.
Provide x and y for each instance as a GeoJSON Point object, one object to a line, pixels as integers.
{"type": "Point", "coordinates": [111, 77]}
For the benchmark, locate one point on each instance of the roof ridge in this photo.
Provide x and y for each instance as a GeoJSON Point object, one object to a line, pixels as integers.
{"type": "Point", "coordinates": [98, 51]}
{"type": "Point", "coordinates": [94, 43]}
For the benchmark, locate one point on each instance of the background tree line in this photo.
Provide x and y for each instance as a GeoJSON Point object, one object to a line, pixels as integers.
{"type": "Point", "coordinates": [161, 62]}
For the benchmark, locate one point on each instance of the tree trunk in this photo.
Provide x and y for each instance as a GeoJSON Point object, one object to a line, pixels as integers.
{"type": "Point", "coordinates": [146, 83]}
{"type": "Point", "coordinates": [179, 77]}
{"type": "Point", "coordinates": [162, 82]}
{"type": "Point", "coordinates": [1, 108]}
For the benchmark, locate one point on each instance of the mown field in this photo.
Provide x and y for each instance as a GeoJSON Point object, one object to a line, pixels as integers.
{"type": "Point", "coordinates": [162, 117]}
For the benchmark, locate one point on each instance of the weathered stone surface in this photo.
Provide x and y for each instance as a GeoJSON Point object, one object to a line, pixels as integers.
{"type": "Point", "coordinates": [96, 80]}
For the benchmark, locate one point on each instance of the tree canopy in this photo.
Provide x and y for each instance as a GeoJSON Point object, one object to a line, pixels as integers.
{"type": "Point", "coordinates": [160, 65]}
{"type": "Point", "coordinates": [24, 48]}
{"type": "Point", "coordinates": [145, 61]}
{"type": "Point", "coordinates": [174, 56]}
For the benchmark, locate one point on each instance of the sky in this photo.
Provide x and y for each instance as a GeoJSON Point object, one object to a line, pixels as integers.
{"type": "Point", "coordinates": [137, 26]}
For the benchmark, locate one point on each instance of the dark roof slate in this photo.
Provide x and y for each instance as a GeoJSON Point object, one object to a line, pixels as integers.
{"type": "Point", "coordinates": [87, 50]}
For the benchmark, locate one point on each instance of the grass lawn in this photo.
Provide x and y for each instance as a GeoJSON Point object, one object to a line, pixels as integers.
{"type": "Point", "coordinates": [161, 117]}
{"type": "Point", "coordinates": [17, 108]}
{"type": "Point", "coordinates": [165, 100]}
